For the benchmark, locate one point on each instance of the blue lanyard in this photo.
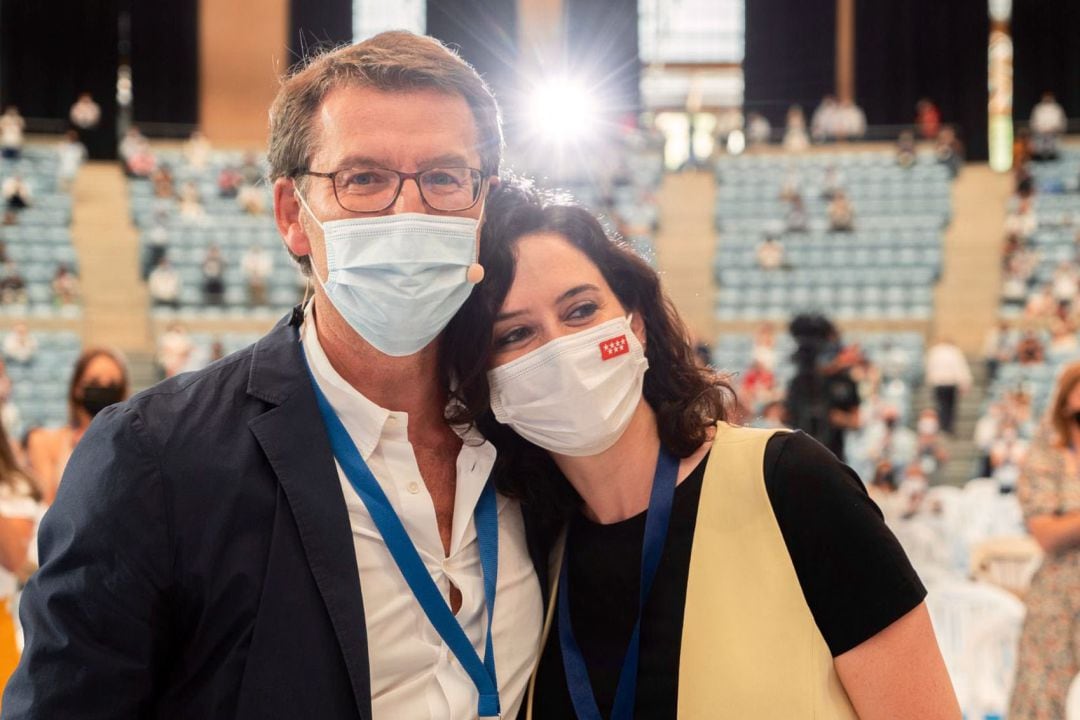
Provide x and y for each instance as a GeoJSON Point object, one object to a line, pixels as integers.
{"type": "Point", "coordinates": [412, 567]}
{"type": "Point", "coordinates": [577, 674]}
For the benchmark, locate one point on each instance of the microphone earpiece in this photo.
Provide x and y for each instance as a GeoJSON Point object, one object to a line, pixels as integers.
{"type": "Point", "coordinates": [475, 273]}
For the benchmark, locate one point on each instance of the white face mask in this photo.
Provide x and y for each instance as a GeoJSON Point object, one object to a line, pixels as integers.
{"type": "Point", "coordinates": [398, 279]}
{"type": "Point", "coordinates": [576, 394]}
{"type": "Point", "coordinates": [928, 426]}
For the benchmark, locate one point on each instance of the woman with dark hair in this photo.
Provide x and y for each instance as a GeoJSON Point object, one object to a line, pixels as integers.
{"type": "Point", "coordinates": [696, 567]}
{"type": "Point", "coordinates": [100, 379]}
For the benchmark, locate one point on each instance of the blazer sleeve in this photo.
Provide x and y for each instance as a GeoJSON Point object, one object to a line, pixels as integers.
{"type": "Point", "coordinates": [94, 614]}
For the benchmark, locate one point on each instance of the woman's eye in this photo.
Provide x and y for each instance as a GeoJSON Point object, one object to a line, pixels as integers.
{"type": "Point", "coordinates": [512, 337]}
{"type": "Point", "coordinates": [582, 312]}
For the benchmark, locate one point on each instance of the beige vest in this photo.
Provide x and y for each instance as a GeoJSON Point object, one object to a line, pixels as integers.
{"type": "Point", "coordinates": [750, 647]}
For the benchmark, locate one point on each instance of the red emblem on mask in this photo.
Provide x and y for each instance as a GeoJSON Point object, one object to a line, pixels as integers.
{"type": "Point", "coordinates": [614, 347]}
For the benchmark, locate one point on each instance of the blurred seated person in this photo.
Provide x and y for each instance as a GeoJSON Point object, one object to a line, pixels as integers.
{"type": "Point", "coordinates": [20, 511]}
{"type": "Point", "coordinates": [757, 388]}
{"type": "Point", "coordinates": [832, 183]}
{"type": "Point", "coordinates": [85, 114]}
{"type": "Point", "coordinates": [99, 379]}
{"type": "Point", "coordinates": [164, 285]}
{"type": "Point", "coordinates": [823, 123]}
{"type": "Point", "coordinates": [1041, 304]}
{"type": "Point", "coordinates": [849, 121]}
{"type": "Point", "coordinates": [197, 150]}
{"type": "Point", "coordinates": [12, 285]}
{"type": "Point", "coordinates": [256, 266]}
{"type": "Point", "coordinates": [1063, 341]}
{"type": "Point", "coordinates": [213, 272]}
{"type": "Point", "coordinates": [229, 181]}
{"type": "Point", "coordinates": [927, 119]}
{"type": "Point", "coordinates": [1048, 124]}
{"type": "Point", "coordinates": [758, 129]}
{"type": "Point", "coordinates": [252, 199]}
{"type": "Point", "coordinates": [999, 347]}
{"type": "Point", "coordinates": [157, 243]}
{"type": "Point", "coordinates": [191, 207]}
{"type": "Point", "coordinates": [1022, 150]}
{"type": "Point", "coordinates": [905, 149]}
{"type": "Point", "coordinates": [175, 350]}
{"type": "Point", "coordinates": [1007, 455]}
{"type": "Point", "coordinates": [888, 439]}
{"type": "Point", "coordinates": [841, 214]}
{"type": "Point", "coordinates": [1065, 282]}
{"type": "Point", "coordinates": [949, 151]}
{"type": "Point", "coordinates": [772, 415]}
{"type": "Point", "coordinates": [795, 137]}
{"type": "Point", "coordinates": [770, 254]}
{"type": "Point", "coordinates": [162, 180]}
{"type": "Point", "coordinates": [1029, 351]}
{"type": "Point", "coordinates": [791, 185]}
{"type": "Point", "coordinates": [9, 413]}
{"type": "Point", "coordinates": [930, 453]}
{"type": "Point", "coordinates": [217, 350]}
{"type": "Point", "coordinates": [135, 152]}
{"type": "Point", "coordinates": [250, 169]}
{"type": "Point", "coordinates": [987, 430]}
{"type": "Point", "coordinates": [65, 286]}
{"type": "Point", "coordinates": [1023, 221]}
{"type": "Point", "coordinates": [16, 192]}
{"type": "Point", "coordinates": [70, 156]}
{"type": "Point", "coordinates": [797, 219]}
{"type": "Point", "coordinates": [764, 349]}
{"type": "Point", "coordinates": [19, 345]}
{"type": "Point", "coordinates": [882, 490]}
{"type": "Point", "coordinates": [12, 125]}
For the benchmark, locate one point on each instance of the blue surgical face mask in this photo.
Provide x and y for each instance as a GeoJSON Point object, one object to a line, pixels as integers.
{"type": "Point", "coordinates": [398, 279]}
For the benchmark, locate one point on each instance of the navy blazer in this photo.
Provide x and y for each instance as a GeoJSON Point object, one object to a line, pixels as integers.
{"type": "Point", "coordinates": [198, 561]}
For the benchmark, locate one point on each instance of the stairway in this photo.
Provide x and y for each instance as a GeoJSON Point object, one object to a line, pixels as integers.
{"type": "Point", "coordinates": [114, 296]}
{"type": "Point", "coordinates": [963, 455]}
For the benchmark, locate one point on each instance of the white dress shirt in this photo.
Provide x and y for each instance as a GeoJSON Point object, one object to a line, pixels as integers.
{"type": "Point", "coordinates": [414, 674]}
{"type": "Point", "coordinates": [946, 365]}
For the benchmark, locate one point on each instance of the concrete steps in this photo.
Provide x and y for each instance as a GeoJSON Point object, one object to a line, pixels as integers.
{"type": "Point", "coordinates": [963, 463]}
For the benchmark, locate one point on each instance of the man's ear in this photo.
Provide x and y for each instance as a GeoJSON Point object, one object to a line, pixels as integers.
{"type": "Point", "coordinates": [287, 211]}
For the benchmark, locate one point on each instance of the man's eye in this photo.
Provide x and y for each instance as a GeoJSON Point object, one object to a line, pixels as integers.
{"type": "Point", "coordinates": [361, 179]}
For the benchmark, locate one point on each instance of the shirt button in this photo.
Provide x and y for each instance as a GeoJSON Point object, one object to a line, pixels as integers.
{"type": "Point", "coordinates": [414, 487]}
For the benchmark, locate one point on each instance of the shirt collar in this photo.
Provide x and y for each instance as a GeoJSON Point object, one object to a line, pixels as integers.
{"type": "Point", "coordinates": [365, 421]}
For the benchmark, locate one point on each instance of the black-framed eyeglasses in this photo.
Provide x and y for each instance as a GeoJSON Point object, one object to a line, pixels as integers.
{"type": "Point", "coordinates": [374, 189]}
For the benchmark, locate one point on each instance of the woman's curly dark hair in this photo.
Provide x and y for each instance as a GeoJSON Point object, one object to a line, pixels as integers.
{"type": "Point", "coordinates": [687, 399]}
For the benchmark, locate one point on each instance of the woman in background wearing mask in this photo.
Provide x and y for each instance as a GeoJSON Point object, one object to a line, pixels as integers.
{"type": "Point", "coordinates": [694, 565]}
{"type": "Point", "coordinates": [1049, 493]}
{"type": "Point", "coordinates": [100, 379]}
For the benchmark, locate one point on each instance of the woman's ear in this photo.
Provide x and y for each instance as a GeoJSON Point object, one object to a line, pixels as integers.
{"type": "Point", "coordinates": [637, 325]}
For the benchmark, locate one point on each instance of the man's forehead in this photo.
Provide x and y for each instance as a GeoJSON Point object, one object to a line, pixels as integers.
{"type": "Point", "coordinates": [396, 129]}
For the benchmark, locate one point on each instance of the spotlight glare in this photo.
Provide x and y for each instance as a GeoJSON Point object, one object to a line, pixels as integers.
{"type": "Point", "coordinates": [562, 111]}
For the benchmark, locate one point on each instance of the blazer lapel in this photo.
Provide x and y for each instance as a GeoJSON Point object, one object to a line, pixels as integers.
{"type": "Point", "coordinates": [294, 439]}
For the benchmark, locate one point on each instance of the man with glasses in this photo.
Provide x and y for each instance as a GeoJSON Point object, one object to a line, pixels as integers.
{"type": "Point", "coordinates": [295, 531]}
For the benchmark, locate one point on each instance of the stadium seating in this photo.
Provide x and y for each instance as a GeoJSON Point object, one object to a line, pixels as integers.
{"type": "Point", "coordinates": [40, 240]}
{"type": "Point", "coordinates": [886, 269]}
{"type": "Point", "coordinates": [39, 388]}
{"type": "Point", "coordinates": [227, 226]}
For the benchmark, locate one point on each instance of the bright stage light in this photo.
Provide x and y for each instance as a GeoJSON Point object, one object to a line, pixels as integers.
{"type": "Point", "coordinates": [562, 111]}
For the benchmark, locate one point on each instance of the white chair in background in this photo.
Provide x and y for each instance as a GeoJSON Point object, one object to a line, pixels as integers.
{"type": "Point", "coordinates": [978, 629]}
{"type": "Point", "coordinates": [1007, 562]}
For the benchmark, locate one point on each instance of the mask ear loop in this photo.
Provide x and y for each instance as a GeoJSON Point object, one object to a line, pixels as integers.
{"type": "Point", "coordinates": [475, 273]}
